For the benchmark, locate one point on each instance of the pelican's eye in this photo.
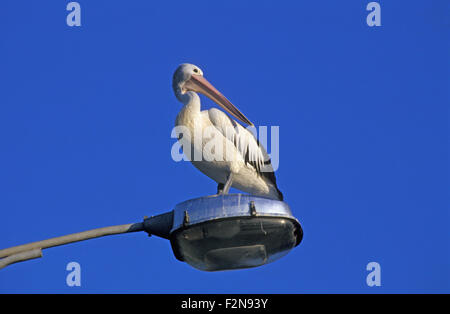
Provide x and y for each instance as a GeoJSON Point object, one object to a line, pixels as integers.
{"type": "Point", "coordinates": [196, 71]}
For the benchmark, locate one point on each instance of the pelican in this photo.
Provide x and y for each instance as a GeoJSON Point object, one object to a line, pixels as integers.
{"type": "Point", "coordinates": [247, 166]}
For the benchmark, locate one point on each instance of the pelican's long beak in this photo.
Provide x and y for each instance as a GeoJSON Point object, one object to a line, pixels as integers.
{"type": "Point", "coordinates": [198, 83]}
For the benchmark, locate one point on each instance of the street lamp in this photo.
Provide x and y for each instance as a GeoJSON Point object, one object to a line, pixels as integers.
{"type": "Point", "coordinates": [229, 231]}
{"type": "Point", "coordinates": [212, 233]}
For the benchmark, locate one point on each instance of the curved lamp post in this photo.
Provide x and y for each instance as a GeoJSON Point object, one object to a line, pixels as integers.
{"type": "Point", "coordinates": [211, 233]}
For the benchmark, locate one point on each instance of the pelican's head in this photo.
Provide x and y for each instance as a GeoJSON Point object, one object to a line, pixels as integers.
{"type": "Point", "coordinates": [189, 78]}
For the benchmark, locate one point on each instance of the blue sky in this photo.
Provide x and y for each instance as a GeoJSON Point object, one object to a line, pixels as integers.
{"type": "Point", "coordinates": [86, 114]}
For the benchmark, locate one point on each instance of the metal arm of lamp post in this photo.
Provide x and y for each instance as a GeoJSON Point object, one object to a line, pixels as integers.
{"type": "Point", "coordinates": [210, 233]}
{"type": "Point", "coordinates": [157, 225]}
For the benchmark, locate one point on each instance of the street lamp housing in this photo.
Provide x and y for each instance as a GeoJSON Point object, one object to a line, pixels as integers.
{"type": "Point", "coordinates": [232, 231]}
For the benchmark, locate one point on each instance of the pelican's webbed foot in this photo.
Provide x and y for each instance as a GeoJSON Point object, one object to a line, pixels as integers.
{"type": "Point", "coordinates": [227, 186]}
{"type": "Point", "coordinates": [223, 188]}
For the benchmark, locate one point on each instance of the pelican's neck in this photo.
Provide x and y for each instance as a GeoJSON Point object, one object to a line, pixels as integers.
{"type": "Point", "coordinates": [189, 99]}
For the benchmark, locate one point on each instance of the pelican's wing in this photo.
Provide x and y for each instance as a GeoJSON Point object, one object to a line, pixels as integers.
{"type": "Point", "coordinates": [245, 142]}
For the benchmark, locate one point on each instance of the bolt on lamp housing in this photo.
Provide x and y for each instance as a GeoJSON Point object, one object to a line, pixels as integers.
{"type": "Point", "coordinates": [231, 231]}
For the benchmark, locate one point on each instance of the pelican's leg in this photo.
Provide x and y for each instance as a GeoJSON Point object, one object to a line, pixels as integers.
{"type": "Point", "coordinates": [227, 186]}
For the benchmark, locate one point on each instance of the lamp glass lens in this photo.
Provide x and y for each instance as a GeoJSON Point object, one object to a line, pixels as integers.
{"type": "Point", "coordinates": [234, 243]}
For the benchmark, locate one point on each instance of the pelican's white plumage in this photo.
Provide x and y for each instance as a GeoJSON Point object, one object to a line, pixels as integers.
{"type": "Point", "coordinates": [245, 164]}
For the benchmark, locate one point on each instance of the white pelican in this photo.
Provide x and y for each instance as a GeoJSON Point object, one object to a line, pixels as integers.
{"type": "Point", "coordinates": [249, 169]}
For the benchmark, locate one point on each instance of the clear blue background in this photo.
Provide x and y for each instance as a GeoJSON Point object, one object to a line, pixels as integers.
{"type": "Point", "coordinates": [86, 115]}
